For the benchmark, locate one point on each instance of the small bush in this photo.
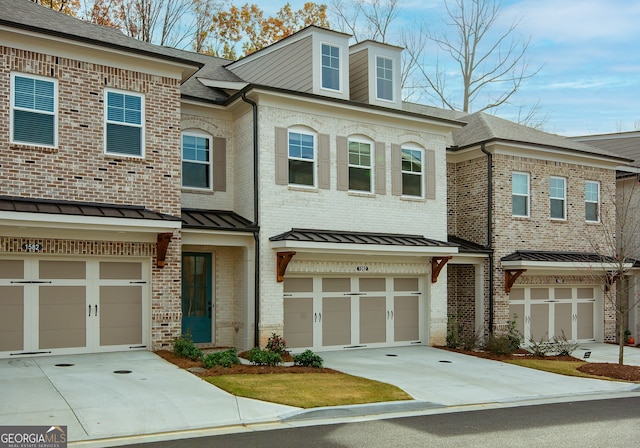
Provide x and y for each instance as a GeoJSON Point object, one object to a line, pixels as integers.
{"type": "Point", "coordinates": [563, 346]}
{"type": "Point", "coordinates": [308, 359]}
{"type": "Point", "coordinates": [500, 345]}
{"type": "Point", "coordinates": [469, 341]}
{"type": "Point", "coordinates": [453, 332]}
{"type": "Point", "coordinates": [184, 347]}
{"type": "Point", "coordinates": [275, 344]}
{"type": "Point", "coordinates": [226, 358]}
{"type": "Point", "coordinates": [541, 347]}
{"type": "Point", "coordinates": [263, 357]}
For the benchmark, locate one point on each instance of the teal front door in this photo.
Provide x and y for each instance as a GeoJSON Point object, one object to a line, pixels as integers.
{"type": "Point", "coordinates": [196, 296]}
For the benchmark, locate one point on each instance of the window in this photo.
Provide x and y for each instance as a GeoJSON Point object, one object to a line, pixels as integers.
{"type": "Point", "coordinates": [302, 157]}
{"type": "Point", "coordinates": [360, 166]}
{"type": "Point", "coordinates": [196, 160]}
{"type": "Point", "coordinates": [384, 78]}
{"type": "Point", "coordinates": [592, 201]}
{"type": "Point", "coordinates": [557, 195]}
{"type": "Point", "coordinates": [330, 67]}
{"type": "Point", "coordinates": [34, 110]}
{"type": "Point", "coordinates": [520, 194]}
{"type": "Point", "coordinates": [412, 172]}
{"type": "Point", "coordinates": [124, 123]}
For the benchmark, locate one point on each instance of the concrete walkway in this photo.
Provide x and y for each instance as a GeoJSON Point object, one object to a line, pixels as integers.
{"type": "Point", "coordinates": [110, 395]}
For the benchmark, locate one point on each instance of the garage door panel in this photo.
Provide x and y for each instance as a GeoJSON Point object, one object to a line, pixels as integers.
{"type": "Point", "coordinates": [11, 318]}
{"type": "Point", "coordinates": [120, 315]}
{"type": "Point", "coordinates": [120, 270]}
{"type": "Point", "coordinates": [586, 320]}
{"type": "Point", "coordinates": [563, 319]}
{"type": "Point", "coordinates": [336, 321]}
{"type": "Point", "coordinates": [298, 322]}
{"type": "Point", "coordinates": [13, 269]}
{"type": "Point", "coordinates": [373, 320]}
{"type": "Point", "coordinates": [516, 312]}
{"type": "Point", "coordinates": [406, 324]}
{"type": "Point", "coordinates": [62, 317]}
{"type": "Point", "coordinates": [539, 322]}
{"type": "Point", "coordinates": [56, 269]}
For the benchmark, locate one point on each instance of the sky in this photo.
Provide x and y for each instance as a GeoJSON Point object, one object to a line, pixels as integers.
{"type": "Point", "coordinates": [587, 53]}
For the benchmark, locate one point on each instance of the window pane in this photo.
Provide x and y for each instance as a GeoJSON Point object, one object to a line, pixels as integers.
{"type": "Point", "coordinates": [384, 74]}
{"type": "Point", "coordinates": [557, 188]}
{"type": "Point", "coordinates": [412, 160]}
{"type": "Point", "coordinates": [35, 94]}
{"type": "Point", "coordinates": [300, 172]}
{"type": "Point", "coordinates": [557, 208]}
{"type": "Point", "coordinates": [591, 191]}
{"type": "Point", "coordinates": [195, 175]}
{"type": "Point", "coordinates": [32, 127]}
{"type": "Point", "coordinates": [519, 184]}
{"type": "Point", "coordinates": [195, 148]}
{"type": "Point", "coordinates": [591, 211]}
{"type": "Point", "coordinates": [411, 185]}
{"type": "Point", "coordinates": [124, 140]}
{"type": "Point", "coordinates": [519, 205]}
{"type": "Point", "coordinates": [359, 154]}
{"type": "Point", "coordinates": [360, 179]}
{"type": "Point", "coordinates": [124, 108]}
{"type": "Point", "coordinates": [330, 67]}
{"type": "Point", "coordinates": [301, 146]}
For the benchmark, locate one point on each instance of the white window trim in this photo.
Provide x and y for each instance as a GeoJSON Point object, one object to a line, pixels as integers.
{"type": "Point", "coordinates": [303, 131]}
{"type": "Point", "coordinates": [393, 78]}
{"type": "Point", "coordinates": [564, 199]}
{"type": "Point", "coordinates": [201, 134]}
{"type": "Point", "coordinates": [592, 202]}
{"type": "Point", "coordinates": [528, 195]}
{"type": "Point", "coordinates": [340, 62]}
{"type": "Point", "coordinates": [55, 109]}
{"type": "Point", "coordinates": [371, 167]}
{"type": "Point", "coordinates": [141, 126]}
{"type": "Point", "coordinates": [422, 172]}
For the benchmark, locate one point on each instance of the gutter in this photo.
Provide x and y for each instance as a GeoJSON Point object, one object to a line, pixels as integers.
{"type": "Point", "coordinates": [490, 229]}
{"type": "Point", "coordinates": [256, 215]}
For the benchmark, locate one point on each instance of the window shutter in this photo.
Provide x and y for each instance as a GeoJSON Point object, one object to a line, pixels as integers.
{"type": "Point", "coordinates": [219, 158]}
{"type": "Point", "coordinates": [342, 149]}
{"type": "Point", "coordinates": [380, 168]}
{"type": "Point", "coordinates": [430, 156]}
{"type": "Point", "coordinates": [324, 169]}
{"type": "Point", "coordinates": [282, 156]}
{"type": "Point", "coordinates": [396, 170]}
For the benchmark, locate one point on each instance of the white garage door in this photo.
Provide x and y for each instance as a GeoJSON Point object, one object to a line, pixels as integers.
{"type": "Point", "coordinates": [60, 306]}
{"type": "Point", "coordinates": [332, 312]}
{"type": "Point", "coordinates": [544, 312]}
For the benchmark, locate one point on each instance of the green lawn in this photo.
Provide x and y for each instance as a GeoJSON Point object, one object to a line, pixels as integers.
{"type": "Point", "coordinates": [309, 390]}
{"type": "Point", "coordinates": [562, 367]}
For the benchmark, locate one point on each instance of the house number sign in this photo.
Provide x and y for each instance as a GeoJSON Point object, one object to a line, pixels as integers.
{"type": "Point", "coordinates": [362, 268]}
{"type": "Point", "coordinates": [32, 247]}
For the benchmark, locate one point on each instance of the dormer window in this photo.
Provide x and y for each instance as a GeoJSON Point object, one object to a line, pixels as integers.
{"type": "Point", "coordinates": [330, 67]}
{"type": "Point", "coordinates": [384, 78]}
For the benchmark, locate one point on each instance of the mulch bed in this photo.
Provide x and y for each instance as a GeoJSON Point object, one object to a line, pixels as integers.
{"type": "Point", "coordinates": [608, 370]}
{"type": "Point", "coordinates": [237, 369]}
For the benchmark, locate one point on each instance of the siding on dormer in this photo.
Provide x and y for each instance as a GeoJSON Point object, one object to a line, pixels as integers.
{"type": "Point", "coordinates": [289, 67]}
{"type": "Point", "coordinates": [359, 76]}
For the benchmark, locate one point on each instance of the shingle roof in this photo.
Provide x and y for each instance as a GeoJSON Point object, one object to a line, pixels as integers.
{"type": "Point", "coordinates": [54, 207]}
{"type": "Point", "coordinates": [557, 257]}
{"type": "Point", "coordinates": [626, 144]}
{"type": "Point", "coordinates": [216, 220]}
{"type": "Point", "coordinates": [338, 236]}
{"type": "Point", "coordinates": [482, 127]}
{"type": "Point", "coordinates": [27, 15]}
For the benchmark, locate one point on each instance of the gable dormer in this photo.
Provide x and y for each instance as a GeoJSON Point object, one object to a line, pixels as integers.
{"type": "Point", "coordinates": [313, 60]}
{"type": "Point", "coordinates": [375, 74]}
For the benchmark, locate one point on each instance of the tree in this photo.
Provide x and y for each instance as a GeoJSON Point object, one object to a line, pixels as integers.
{"type": "Point", "coordinates": [619, 242]}
{"type": "Point", "coordinates": [492, 67]}
{"type": "Point", "coordinates": [66, 6]}
{"type": "Point", "coordinates": [364, 20]}
{"type": "Point", "coordinates": [248, 25]}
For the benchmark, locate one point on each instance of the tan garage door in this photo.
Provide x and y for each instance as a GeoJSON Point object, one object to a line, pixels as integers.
{"type": "Point", "coordinates": [57, 306]}
{"type": "Point", "coordinates": [322, 312]}
{"type": "Point", "coordinates": [544, 312]}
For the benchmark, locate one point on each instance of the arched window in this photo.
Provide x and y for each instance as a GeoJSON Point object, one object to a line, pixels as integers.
{"type": "Point", "coordinates": [196, 159]}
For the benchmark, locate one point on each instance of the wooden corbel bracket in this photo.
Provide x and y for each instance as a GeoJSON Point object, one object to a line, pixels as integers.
{"type": "Point", "coordinates": [282, 261]}
{"type": "Point", "coordinates": [437, 263]}
{"type": "Point", "coordinates": [162, 246]}
{"type": "Point", "coordinates": [510, 277]}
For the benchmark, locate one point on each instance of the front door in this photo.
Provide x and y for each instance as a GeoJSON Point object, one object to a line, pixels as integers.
{"type": "Point", "coordinates": [196, 296]}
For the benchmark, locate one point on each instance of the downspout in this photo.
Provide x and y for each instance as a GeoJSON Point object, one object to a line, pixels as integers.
{"type": "Point", "coordinates": [489, 229]}
{"type": "Point", "coordinates": [256, 215]}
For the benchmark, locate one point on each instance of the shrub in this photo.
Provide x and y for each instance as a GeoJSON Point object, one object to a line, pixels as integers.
{"type": "Point", "coordinates": [563, 346]}
{"type": "Point", "coordinates": [263, 357]}
{"type": "Point", "coordinates": [469, 340]}
{"type": "Point", "coordinates": [453, 333]}
{"type": "Point", "coordinates": [308, 359]}
{"type": "Point", "coordinates": [225, 358]}
{"type": "Point", "coordinates": [541, 347]}
{"type": "Point", "coordinates": [275, 344]}
{"type": "Point", "coordinates": [506, 343]}
{"type": "Point", "coordinates": [184, 347]}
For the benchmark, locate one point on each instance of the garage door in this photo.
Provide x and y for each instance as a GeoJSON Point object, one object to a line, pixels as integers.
{"type": "Point", "coordinates": [545, 312]}
{"type": "Point", "coordinates": [58, 306]}
{"type": "Point", "coordinates": [332, 312]}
